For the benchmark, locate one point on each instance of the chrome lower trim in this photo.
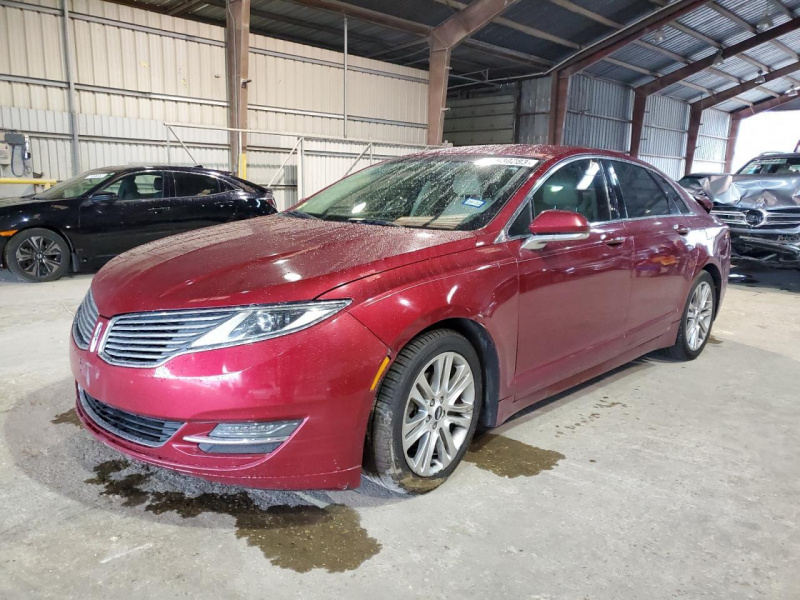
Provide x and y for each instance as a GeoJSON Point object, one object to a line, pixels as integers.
{"type": "Point", "coordinates": [205, 439]}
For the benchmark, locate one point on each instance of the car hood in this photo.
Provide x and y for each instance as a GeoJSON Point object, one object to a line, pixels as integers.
{"type": "Point", "coordinates": [11, 203]}
{"type": "Point", "coordinates": [753, 191]}
{"type": "Point", "coordinates": [258, 261]}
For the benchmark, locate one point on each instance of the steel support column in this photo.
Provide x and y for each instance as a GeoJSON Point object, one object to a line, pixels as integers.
{"type": "Point", "coordinates": [66, 49]}
{"type": "Point", "coordinates": [237, 48]}
{"type": "Point", "coordinates": [730, 146]}
{"type": "Point", "coordinates": [559, 92]}
{"type": "Point", "coordinates": [637, 121]}
{"type": "Point", "coordinates": [695, 117]}
{"type": "Point", "coordinates": [443, 39]}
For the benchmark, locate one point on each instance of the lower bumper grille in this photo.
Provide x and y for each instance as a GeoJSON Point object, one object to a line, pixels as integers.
{"type": "Point", "coordinates": [146, 431]}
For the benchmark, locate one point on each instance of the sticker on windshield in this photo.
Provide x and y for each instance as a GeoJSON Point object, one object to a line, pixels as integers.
{"type": "Point", "coordinates": [506, 161]}
{"type": "Point", "coordinates": [96, 175]}
{"type": "Point", "coordinates": [474, 202]}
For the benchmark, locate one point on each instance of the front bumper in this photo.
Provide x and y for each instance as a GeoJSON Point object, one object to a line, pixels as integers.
{"type": "Point", "coordinates": [775, 248]}
{"type": "Point", "coordinates": [320, 376]}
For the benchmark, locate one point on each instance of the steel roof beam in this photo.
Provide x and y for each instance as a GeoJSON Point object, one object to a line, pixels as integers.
{"type": "Point", "coordinates": [730, 93]}
{"type": "Point", "coordinates": [764, 106]}
{"type": "Point", "coordinates": [443, 38]}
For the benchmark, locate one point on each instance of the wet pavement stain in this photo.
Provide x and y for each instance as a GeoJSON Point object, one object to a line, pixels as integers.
{"type": "Point", "coordinates": [509, 458]}
{"type": "Point", "coordinates": [714, 340]}
{"type": "Point", "coordinates": [69, 417]}
{"type": "Point", "coordinates": [300, 538]}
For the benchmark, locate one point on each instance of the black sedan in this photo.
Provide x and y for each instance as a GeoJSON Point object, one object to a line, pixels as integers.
{"type": "Point", "coordinates": [82, 223]}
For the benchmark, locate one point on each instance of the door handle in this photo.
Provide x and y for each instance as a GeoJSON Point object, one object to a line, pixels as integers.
{"type": "Point", "coordinates": [156, 211]}
{"type": "Point", "coordinates": [682, 229]}
{"type": "Point", "coordinates": [615, 241]}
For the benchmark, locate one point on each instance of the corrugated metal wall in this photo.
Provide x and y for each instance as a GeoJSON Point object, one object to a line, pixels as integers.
{"type": "Point", "coordinates": [712, 141]}
{"type": "Point", "coordinates": [598, 114]}
{"type": "Point", "coordinates": [135, 70]}
{"type": "Point", "coordinates": [664, 135]}
{"type": "Point", "coordinates": [480, 120]}
{"type": "Point", "coordinates": [534, 110]}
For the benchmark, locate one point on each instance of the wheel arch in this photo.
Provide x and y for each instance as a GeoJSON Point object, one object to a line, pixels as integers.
{"type": "Point", "coordinates": [716, 275]}
{"type": "Point", "coordinates": [484, 345]}
{"type": "Point", "coordinates": [50, 228]}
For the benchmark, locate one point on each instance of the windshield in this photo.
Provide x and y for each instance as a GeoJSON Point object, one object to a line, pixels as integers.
{"type": "Point", "coordinates": [772, 166]}
{"type": "Point", "coordinates": [77, 186]}
{"type": "Point", "coordinates": [461, 193]}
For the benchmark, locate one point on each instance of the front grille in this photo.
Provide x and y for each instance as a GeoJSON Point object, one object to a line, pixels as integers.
{"type": "Point", "coordinates": [758, 219]}
{"type": "Point", "coordinates": [85, 320]}
{"type": "Point", "coordinates": [150, 339]}
{"type": "Point", "coordinates": [782, 219]}
{"type": "Point", "coordinates": [146, 431]}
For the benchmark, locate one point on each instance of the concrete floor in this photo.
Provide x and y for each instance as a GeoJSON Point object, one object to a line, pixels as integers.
{"type": "Point", "coordinates": [660, 480]}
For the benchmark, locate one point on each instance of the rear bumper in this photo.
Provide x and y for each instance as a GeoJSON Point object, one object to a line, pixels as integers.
{"type": "Point", "coordinates": [320, 376]}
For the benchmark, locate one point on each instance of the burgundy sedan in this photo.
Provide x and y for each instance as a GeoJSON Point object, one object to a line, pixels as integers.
{"type": "Point", "coordinates": [377, 324]}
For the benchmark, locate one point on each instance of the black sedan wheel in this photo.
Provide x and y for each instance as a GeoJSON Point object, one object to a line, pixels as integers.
{"type": "Point", "coordinates": [38, 255]}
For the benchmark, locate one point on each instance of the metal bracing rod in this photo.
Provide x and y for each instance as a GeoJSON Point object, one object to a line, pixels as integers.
{"type": "Point", "coordinates": [285, 160]}
{"type": "Point", "coordinates": [344, 82]}
{"type": "Point", "coordinates": [180, 141]}
{"type": "Point", "coordinates": [358, 158]}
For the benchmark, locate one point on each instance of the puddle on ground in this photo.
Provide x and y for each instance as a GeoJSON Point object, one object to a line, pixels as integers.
{"type": "Point", "coordinates": [714, 340]}
{"type": "Point", "coordinates": [67, 418]}
{"type": "Point", "coordinates": [509, 458]}
{"type": "Point", "coordinates": [300, 538]}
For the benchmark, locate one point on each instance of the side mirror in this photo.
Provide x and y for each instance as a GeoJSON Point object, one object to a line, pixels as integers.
{"type": "Point", "coordinates": [556, 226]}
{"type": "Point", "coordinates": [103, 197]}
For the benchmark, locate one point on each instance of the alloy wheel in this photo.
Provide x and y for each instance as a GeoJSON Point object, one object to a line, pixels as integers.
{"type": "Point", "coordinates": [39, 256]}
{"type": "Point", "coordinates": [438, 414]}
{"type": "Point", "coordinates": [699, 316]}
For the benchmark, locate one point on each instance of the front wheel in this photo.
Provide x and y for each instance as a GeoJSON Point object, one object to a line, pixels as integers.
{"type": "Point", "coordinates": [38, 255]}
{"type": "Point", "coordinates": [698, 317]}
{"type": "Point", "coordinates": [425, 414]}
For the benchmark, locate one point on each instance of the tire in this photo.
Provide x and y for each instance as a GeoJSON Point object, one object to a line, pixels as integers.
{"type": "Point", "coordinates": [38, 255]}
{"type": "Point", "coordinates": [407, 406]}
{"type": "Point", "coordinates": [688, 347]}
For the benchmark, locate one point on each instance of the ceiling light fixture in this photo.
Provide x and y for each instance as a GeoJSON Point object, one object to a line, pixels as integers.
{"type": "Point", "coordinates": [765, 22]}
{"type": "Point", "coordinates": [760, 79]}
{"type": "Point", "coordinates": [718, 59]}
{"type": "Point", "coordinates": [660, 36]}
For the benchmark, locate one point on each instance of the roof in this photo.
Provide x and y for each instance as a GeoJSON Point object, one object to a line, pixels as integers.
{"type": "Point", "coordinates": [532, 36]}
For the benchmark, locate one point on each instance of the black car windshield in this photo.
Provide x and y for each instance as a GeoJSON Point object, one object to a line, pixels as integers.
{"type": "Point", "coordinates": [77, 186]}
{"type": "Point", "coordinates": [461, 193]}
{"type": "Point", "coordinates": [786, 165]}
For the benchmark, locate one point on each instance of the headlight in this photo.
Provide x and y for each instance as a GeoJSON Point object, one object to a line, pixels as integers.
{"type": "Point", "coordinates": [257, 323]}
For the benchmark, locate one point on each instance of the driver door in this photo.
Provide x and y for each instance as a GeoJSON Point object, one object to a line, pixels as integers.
{"type": "Point", "coordinates": [573, 296]}
{"type": "Point", "coordinates": [129, 211]}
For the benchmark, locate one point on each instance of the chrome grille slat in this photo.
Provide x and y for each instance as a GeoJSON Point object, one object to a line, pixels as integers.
{"type": "Point", "coordinates": [150, 339]}
{"type": "Point", "coordinates": [146, 431]}
{"type": "Point", "coordinates": [85, 320]}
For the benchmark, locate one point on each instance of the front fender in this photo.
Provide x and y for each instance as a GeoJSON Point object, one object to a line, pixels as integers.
{"type": "Point", "coordinates": [480, 285]}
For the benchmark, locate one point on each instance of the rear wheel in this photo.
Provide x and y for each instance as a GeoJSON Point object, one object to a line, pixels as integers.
{"type": "Point", "coordinates": [38, 255]}
{"type": "Point", "coordinates": [425, 414]}
{"type": "Point", "coordinates": [698, 317]}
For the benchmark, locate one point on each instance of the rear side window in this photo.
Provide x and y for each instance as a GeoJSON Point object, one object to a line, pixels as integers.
{"type": "Point", "coordinates": [641, 194]}
{"type": "Point", "coordinates": [193, 184]}
{"type": "Point", "coordinates": [677, 204]}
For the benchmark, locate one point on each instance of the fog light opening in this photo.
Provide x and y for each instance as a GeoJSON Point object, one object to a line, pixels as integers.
{"type": "Point", "coordinates": [245, 438]}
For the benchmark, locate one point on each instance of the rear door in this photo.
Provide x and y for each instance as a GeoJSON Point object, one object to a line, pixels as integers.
{"type": "Point", "coordinates": [662, 259]}
{"type": "Point", "coordinates": [573, 296]}
{"type": "Point", "coordinates": [200, 200]}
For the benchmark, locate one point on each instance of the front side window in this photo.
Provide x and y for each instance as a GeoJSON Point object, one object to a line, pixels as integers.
{"type": "Point", "coordinates": [77, 186]}
{"type": "Point", "coordinates": [193, 184]}
{"type": "Point", "coordinates": [772, 166]}
{"type": "Point", "coordinates": [578, 186]}
{"type": "Point", "coordinates": [461, 193]}
{"type": "Point", "coordinates": [642, 195]}
{"type": "Point", "coordinates": [137, 186]}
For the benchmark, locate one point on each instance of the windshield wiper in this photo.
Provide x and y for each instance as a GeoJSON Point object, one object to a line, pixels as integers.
{"type": "Point", "coordinates": [299, 214]}
{"type": "Point", "coordinates": [368, 221]}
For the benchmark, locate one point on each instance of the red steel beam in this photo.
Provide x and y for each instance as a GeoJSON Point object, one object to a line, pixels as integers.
{"type": "Point", "coordinates": [724, 95]}
{"type": "Point", "coordinates": [695, 116]}
{"type": "Point", "coordinates": [637, 122]}
{"type": "Point", "coordinates": [558, 108]}
{"type": "Point", "coordinates": [750, 111]}
{"type": "Point", "coordinates": [730, 145]}
{"type": "Point", "coordinates": [600, 50]}
{"type": "Point", "coordinates": [729, 52]}
{"type": "Point", "coordinates": [443, 38]}
{"type": "Point", "coordinates": [237, 49]}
